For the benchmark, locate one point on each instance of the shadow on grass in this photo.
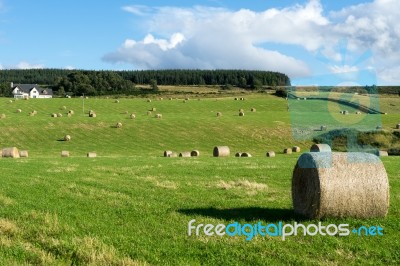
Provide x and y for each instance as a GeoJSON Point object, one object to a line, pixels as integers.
{"type": "Point", "coordinates": [245, 213]}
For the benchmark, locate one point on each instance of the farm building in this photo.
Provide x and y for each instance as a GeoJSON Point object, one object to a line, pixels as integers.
{"type": "Point", "coordinates": [30, 91]}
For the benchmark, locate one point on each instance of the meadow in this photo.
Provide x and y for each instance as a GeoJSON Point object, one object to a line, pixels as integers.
{"type": "Point", "coordinates": [131, 206]}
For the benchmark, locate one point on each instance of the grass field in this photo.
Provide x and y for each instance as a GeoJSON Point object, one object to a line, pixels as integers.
{"type": "Point", "coordinates": [131, 206]}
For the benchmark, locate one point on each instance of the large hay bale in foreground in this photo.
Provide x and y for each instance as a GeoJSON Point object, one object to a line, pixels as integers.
{"type": "Point", "coordinates": [195, 153]}
{"type": "Point", "coordinates": [64, 153]}
{"type": "Point", "coordinates": [334, 184]}
{"type": "Point", "coordinates": [67, 138]}
{"type": "Point", "coordinates": [166, 153]}
{"type": "Point", "coordinates": [320, 148]}
{"type": "Point", "coordinates": [23, 154]}
{"type": "Point", "coordinates": [11, 152]}
{"type": "Point", "coordinates": [221, 151]}
{"type": "Point", "coordinates": [185, 154]}
{"type": "Point", "coordinates": [271, 154]}
{"type": "Point", "coordinates": [296, 149]}
{"type": "Point", "coordinates": [287, 151]}
{"type": "Point", "coordinates": [92, 155]}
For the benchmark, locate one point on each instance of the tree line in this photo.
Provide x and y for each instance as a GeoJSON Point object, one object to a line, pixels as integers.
{"type": "Point", "coordinates": [78, 82]}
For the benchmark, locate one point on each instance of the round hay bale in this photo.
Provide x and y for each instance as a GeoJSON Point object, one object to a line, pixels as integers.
{"type": "Point", "coordinates": [148, 100]}
{"type": "Point", "coordinates": [31, 114]}
{"type": "Point", "coordinates": [166, 153]}
{"type": "Point", "coordinates": [23, 154]}
{"type": "Point", "coordinates": [253, 109]}
{"type": "Point", "coordinates": [296, 149]}
{"type": "Point", "coordinates": [324, 128]}
{"type": "Point", "coordinates": [93, 115]}
{"type": "Point", "coordinates": [116, 101]}
{"type": "Point", "coordinates": [221, 151]}
{"type": "Point", "coordinates": [149, 113]}
{"type": "Point", "coordinates": [187, 99]}
{"type": "Point", "coordinates": [398, 126]}
{"type": "Point", "coordinates": [219, 114]}
{"type": "Point", "coordinates": [287, 151]}
{"type": "Point", "coordinates": [245, 154]}
{"type": "Point", "coordinates": [64, 153]}
{"type": "Point", "coordinates": [271, 154]}
{"type": "Point", "coordinates": [358, 113]}
{"type": "Point", "coordinates": [320, 148]}
{"type": "Point", "coordinates": [173, 154]}
{"type": "Point", "coordinates": [34, 112]}
{"type": "Point", "coordinates": [160, 99]}
{"type": "Point", "coordinates": [59, 115]}
{"type": "Point", "coordinates": [126, 112]}
{"type": "Point", "coordinates": [185, 154]}
{"type": "Point", "coordinates": [238, 154]}
{"type": "Point", "coordinates": [170, 99]}
{"type": "Point", "coordinates": [53, 115]}
{"type": "Point", "coordinates": [3, 116]}
{"type": "Point", "coordinates": [345, 112]}
{"type": "Point", "coordinates": [241, 110]}
{"type": "Point", "coordinates": [159, 116]}
{"type": "Point", "coordinates": [118, 125]}
{"type": "Point", "coordinates": [71, 112]}
{"type": "Point", "coordinates": [10, 101]}
{"type": "Point", "coordinates": [195, 153]}
{"type": "Point", "coordinates": [241, 113]}
{"type": "Point", "coordinates": [235, 98]}
{"type": "Point", "coordinates": [132, 116]}
{"type": "Point", "coordinates": [91, 155]}
{"type": "Point", "coordinates": [383, 153]}
{"type": "Point", "coordinates": [242, 99]}
{"type": "Point", "coordinates": [90, 112]}
{"type": "Point", "coordinates": [153, 109]}
{"type": "Point", "coordinates": [11, 152]}
{"type": "Point", "coordinates": [19, 111]}
{"type": "Point", "coordinates": [67, 138]}
{"type": "Point", "coordinates": [341, 185]}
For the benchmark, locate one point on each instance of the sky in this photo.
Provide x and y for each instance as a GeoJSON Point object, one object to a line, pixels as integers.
{"type": "Point", "coordinates": [314, 42]}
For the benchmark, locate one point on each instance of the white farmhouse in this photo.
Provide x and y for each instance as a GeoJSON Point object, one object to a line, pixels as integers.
{"type": "Point", "coordinates": [30, 91]}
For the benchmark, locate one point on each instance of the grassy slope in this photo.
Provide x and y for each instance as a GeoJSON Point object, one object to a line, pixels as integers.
{"type": "Point", "coordinates": [132, 206]}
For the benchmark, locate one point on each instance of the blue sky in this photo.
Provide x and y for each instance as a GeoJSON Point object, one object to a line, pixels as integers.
{"type": "Point", "coordinates": [314, 42]}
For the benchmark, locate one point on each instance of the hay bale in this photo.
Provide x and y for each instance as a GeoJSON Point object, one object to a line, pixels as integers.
{"type": "Point", "coordinates": [236, 99]}
{"type": "Point", "coordinates": [245, 154]}
{"type": "Point", "coordinates": [341, 185]}
{"type": "Point", "coordinates": [53, 115]}
{"type": "Point", "coordinates": [238, 154]}
{"type": "Point", "coordinates": [170, 99]}
{"type": "Point", "coordinates": [241, 110]}
{"type": "Point", "coordinates": [271, 154]}
{"type": "Point", "coordinates": [67, 138]}
{"type": "Point", "coordinates": [159, 116]}
{"type": "Point", "coordinates": [219, 114]}
{"type": "Point", "coordinates": [358, 113]}
{"type": "Point", "coordinates": [241, 113]}
{"type": "Point", "coordinates": [91, 155]}
{"type": "Point", "coordinates": [118, 125]}
{"type": "Point", "coordinates": [296, 149]}
{"type": "Point", "coordinates": [153, 109]}
{"type": "Point", "coordinates": [149, 113]}
{"type": "Point", "coordinates": [3, 116]}
{"type": "Point", "coordinates": [242, 99]}
{"type": "Point", "coordinates": [63, 108]}
{"type": "Point", "coordinates": [11, 152]}
{"type": "Point", "coordinates": [398, 126]}
{"type": "Point", "coordinates": [173, 154]}
{"type": "Point", "coordinates": [195, 153]}
{"type": "Point", "coordinates": [187, 99]}
{"type": "Point", "coordinates": [59, 115]}
{"type": "Point", "coordinates": [93, 115]}
{"type": "Point", "coordinates": [23, 154]}
{"type": "Point", "coordinates": [324, 128]}
{"type": "Point", "coordinates": [10, 101]}
{"type": "Point", "coordinates": [287, 151]}
{"type": "Point", "coordinates": [383, 153]}
{"type": "Point", "coordinates": [116, 101]}
{"type": "Point", "coordinates": [19, 111]}
{"type": "Point", "coordinates": [320, 148]}
{"type": "Point", "coordinates": [64, 153]}
{"type": "Point", "coordinates": [132, 116]}
{"type": "Point", "coordinates": [253, 109]}
{"type": "Point", "coordinates": [221, 151]}
{"type": "Point", "coordinates": [71, 112]}
{"type": "Point", "coordinates": [185, 154]}
{"type": "Point", "coordinates": [90, 112]}
{"type": "Point", "coordinates": [166, 153]}
{"type": "Point", "coordinates": [34, 112]}
{"type": "Point", "coordinates": [345, 112]}
{"type": "Point", "coordinates": [31, 114]}
{"type": "Point", "coordinates": [148, 100]}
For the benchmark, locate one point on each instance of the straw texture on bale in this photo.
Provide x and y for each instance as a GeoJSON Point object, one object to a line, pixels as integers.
{"type": "Point", "coordinates": [67, 138]}
{"type": "Point", "coordinates": [166, 153]}
{"type": "Point", "coordinates": [334, 184]}
{"type": "Point", "coordinates": [241, 113]}
{"type": "Point", "coordinates": [11, 152]}
{"type": "Point", "coordinates": [221, 151]}
{"type": "Point", "coordinates": [64, 153]}
{"type": "Point", "coordinates": [63, 108]}
{"type": "Point", "coordinates": [271, 154]}
{"type": "Point", "coordinates": [383, 153]}
{"type": "Point", "coordinates": [320, 148]}
{"type": "Point", "coordinates": [195, 153]}
{"type": "Point", "coordinates": [287, 151]}
{"type": "Point", "coordinates": [23, 154]}
{"type": "Point", "coordinates": [296, 149]}
{"type": "Point", "coordinates": [91, 155]}
{"type": "Point", "coordinates": [238, 154]}
{"type": "Point", "coordinates": [185, 154]}
{"type": "Point", "coordinates": [245, 154]}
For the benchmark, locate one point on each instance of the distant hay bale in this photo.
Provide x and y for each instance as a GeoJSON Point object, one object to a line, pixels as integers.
{"type": "Point", "coordinates": [34, 112]}
{"type": "Point", "coordinates": [345, 112]}
{"type": "Point", "coordinates": [116, 101]}
{"type": "Point", "coordinates": [132, 116]}
{"type": "Point", "coordinates": [69, 115]}
{"type": "Point", "coordinates": [187, 99]}
{"type": "Point", "coordinates": [71, 112]}
{"type": "Point", "coordinates": [320, 148]}
{"type": "Point", "coordinates": [59, 115]}
{"type": "Point", "coordinates": [11, 152]}
{"type": "Point", "coordinates": [221, 151]}
{"type": "Point", "coordinates": [398, 126]}
{"type": "Point", "coordinates": [296, 149]}
{"type": "Point", "coordinates": [67, 138]}
{"type": "Point", "coordinates": [3, 116]}
{"type": "Point", "coordinates": [19, 111]}
{"type": "Point", "coordinates": [31, 114]}
{"type": "Point", "coordinates": [159, 116]}
{"type": "Point", "coordinates": [10, 101]}
{"type": "Point", "coordinates": [235, 98]}
{"type": "Point", "coordinates": [94, 115]}
{"type": "Point", "coordinates": [173, 154]}
{"type": "Point", "coordinates": [241, 113]}
{"type": "Point", "coordinates": [87, 97]}
{"type": "Point", "coordinates": [253, 109]}
{"type": "Point", "coordinates": [245, 154]}
{"type": "Point", "coordinates": [90, 112]}
{"type": "Point", "coordinates": [64, 153]}
{"type": "Point", "coordinates": [166, 153]}
{"type": "Point", "coordinates": [23, 154]}
{"type": "Point", "coordinates": [241, 110]}
{"type": "Point", "coordinates": [242, 99]}
{"type": "Point", "coordinates": [238, 154]}
{"type": "Point", "coordinates": [148, 100]}
{"type": "Point", "coordinates": [271, 154]}
{"type": "Point", "coordinates": [153, 109]}
{"type": "Point", "coordinates": [219, 114]}
{"type": "Point", "coordinates": [53, 115]}
{"type": "Point", "coordinates": [287, 151]}
{"type": "Point", "coordinates": [160, 99]}
{"type": "Point", "coordinates": [358, 113]}
{"type": "Point", "coordinates": [340, 185]}
{"type": "Point", "coordinates": [170, 99]}
{"type": "Point", "coordinates": [185, 154]}
{"type": "Point", "coordinates": [91, 155]}
{"type": "Point", "coordinates": [195, 153]}
{"type": "Point", "coordinates": [383, 153]}
{"type": "Point", "coordinates": [118, 125]}
{"type": "Point", "coordinates": [149, 113]}
{"type": "Point", "coordinates": [324, 128]}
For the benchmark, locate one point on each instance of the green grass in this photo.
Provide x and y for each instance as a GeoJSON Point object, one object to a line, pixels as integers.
{"type": "Point", "coordinates": [131, 206]}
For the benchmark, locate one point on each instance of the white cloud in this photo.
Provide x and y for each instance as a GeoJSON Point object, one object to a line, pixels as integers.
{"type": "Point", "coordinates": [26, 65]}
{"type": "Point", "coordinates": [1, 66]}
{"type": "Point", "coordinates": [69, 67]}
{"type": "Point", "coordinates": [204, 37]}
